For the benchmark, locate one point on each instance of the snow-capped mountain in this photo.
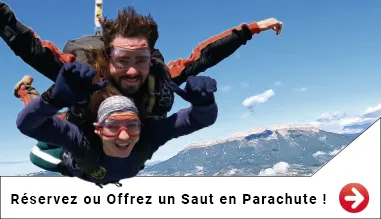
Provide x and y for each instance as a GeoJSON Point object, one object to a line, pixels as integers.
{"type": "Point", "coordinates": [280, 150]}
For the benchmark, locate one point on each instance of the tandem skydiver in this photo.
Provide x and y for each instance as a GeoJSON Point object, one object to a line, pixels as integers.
{"type": "Point", "coordinates": [47, 59]}
{"type": "Point", "coordinates": [134, 81]}
{"type": "Point", "coordinates": [117, 124]}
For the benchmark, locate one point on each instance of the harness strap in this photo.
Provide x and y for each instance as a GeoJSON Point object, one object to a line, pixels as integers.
{"type": "Point", "coordinates": [150, 96]}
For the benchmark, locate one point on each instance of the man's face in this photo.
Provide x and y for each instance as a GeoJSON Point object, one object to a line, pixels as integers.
{"type": "Point", "coordinates": [130, 62]}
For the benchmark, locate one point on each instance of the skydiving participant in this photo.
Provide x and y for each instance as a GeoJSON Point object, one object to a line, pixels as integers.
{"type": "Point", "coordinates": [137, 79]}
{"type": "Point", "coordinates": [118, 126]}
{"type": "Point", "coordinates": [46, 58]}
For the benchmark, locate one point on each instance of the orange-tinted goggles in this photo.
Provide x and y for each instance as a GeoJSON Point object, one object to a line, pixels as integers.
{"type": "Point", "coordinates": [113, 128]}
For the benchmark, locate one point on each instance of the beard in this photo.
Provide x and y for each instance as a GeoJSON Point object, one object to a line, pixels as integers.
{"type": "Point", "coordinates": [128, 91]}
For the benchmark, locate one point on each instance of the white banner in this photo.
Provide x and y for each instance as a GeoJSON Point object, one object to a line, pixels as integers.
{"type": "Point", "coordinates": [326, 194]}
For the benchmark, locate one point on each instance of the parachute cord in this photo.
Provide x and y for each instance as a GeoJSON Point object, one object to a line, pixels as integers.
{"type": "Point", "coordinates": [98, 17]}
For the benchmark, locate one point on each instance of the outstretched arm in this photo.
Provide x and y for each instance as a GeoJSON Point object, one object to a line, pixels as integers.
{"type": "Point", "coordinates": [43, 56]}
{"type": "Point", "coordinates": [37, 120]}
{"type": "Point", "coordinates": [184, 122]}
{"type": "Point", "coordinates": [215, 49]}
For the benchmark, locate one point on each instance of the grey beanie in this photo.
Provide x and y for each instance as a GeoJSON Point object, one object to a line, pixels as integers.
{"type": "Point", "coordinates": [115, 104]}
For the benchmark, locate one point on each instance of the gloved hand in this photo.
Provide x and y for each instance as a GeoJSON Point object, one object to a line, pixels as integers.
{"type": "Point", "coordinates": [73, 85]}
{"type": "Point", "coordinates": [199, 90]}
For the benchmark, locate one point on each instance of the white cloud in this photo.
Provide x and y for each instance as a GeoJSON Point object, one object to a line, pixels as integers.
{"type": "Point", "coordinates": [355, 121]}
{"type": "Point", "coordinates": [225, 88]}
{"type": "Point", "coordinates": [371, 112]}
{"type": "Point", "coordinates": [280, 168]}
{"type": "Point", "coordinates": [250, 102]}
{"type": "Point", "coordinates": [328, 126]}
{"type": "Point", "coordinates": [277, 83]}
{"type": "Point", "coordinates": [323, 138]}
{"type": "Point", "coordinates": [328, 117]}
{"type": "Point", "coordinates": [330, 153]}
{"type": "Point", "coordinates": [342, 123]}
{"type": "Point", "coordinates": [245, 115]}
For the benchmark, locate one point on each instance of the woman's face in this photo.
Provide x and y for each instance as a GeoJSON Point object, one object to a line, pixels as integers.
{"type": "Point", "coordinates": [119, 133]}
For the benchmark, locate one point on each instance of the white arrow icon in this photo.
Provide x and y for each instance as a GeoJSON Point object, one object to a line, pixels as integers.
{"type": "Point", "coordinates": [357, 198]}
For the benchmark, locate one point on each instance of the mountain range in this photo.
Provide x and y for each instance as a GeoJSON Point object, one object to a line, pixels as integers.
{"type": "Point", "coordinates": [280, 150]}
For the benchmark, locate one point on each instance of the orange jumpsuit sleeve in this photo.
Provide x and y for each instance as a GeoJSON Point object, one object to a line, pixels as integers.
{"type": "Point", "coordinates": [176, 67]}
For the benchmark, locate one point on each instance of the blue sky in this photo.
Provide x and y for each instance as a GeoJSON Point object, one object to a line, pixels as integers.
{"type": "Point", "coordinates": [327, 60]}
